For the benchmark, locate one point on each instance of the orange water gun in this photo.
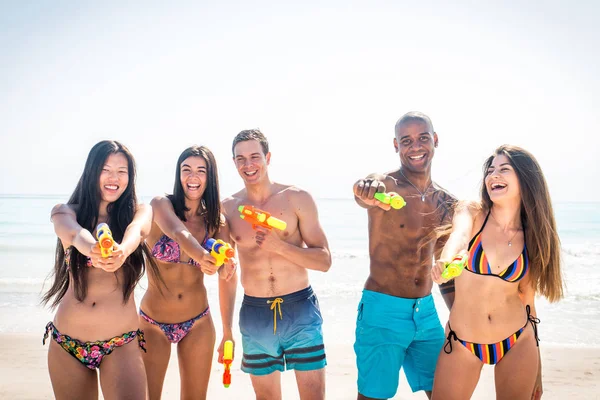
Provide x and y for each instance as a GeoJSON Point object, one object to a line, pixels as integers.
{"type": "Point", "coordinates": [259, 217]}
{"type": "Point", "coordinates": [105, 239]}
{"type": "Point", "coordinates": [220, 250]}
{"type": "Point", "coordinates": [227, 360]}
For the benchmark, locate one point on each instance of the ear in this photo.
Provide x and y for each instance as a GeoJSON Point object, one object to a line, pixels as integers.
{"type": "Point", "coordinates": [396, 145]}
{"type": "Point", "coordinates": [435, 139]}
{"type": "Point", "coordinates": [268, 158]}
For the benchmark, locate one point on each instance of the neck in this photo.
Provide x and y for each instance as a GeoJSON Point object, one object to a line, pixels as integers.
{"type": "Point", "coordinates": [421, 180]}
{"type": "Point", "coordinates": [508, 217]}
{"type": "Point", "coordinates": [259, 192]}
{"type": "Point", "coordinates": [103, 211]}
{"type": "Point", "coordinates": [194, 206]}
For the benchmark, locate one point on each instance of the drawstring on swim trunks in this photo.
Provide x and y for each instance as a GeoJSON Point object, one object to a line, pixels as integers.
{"type": "Point", "coordinates": [275, 304]}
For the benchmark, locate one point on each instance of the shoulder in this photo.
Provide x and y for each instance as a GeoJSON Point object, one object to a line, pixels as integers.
{"type": "Point", "coordinates": [230, 203]}
{"type": "Point", "coordinates": [160, 201]}
{"type": "Point", "coordinates": [295, 194]}
{"type": "Point", "coordinates": [68, 209]}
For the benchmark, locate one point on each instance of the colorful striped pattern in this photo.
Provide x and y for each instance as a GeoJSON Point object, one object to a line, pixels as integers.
{"type": "Point", "coordinates": [492, 353]}
{"type": "Point", "coordinates": [478, 262]}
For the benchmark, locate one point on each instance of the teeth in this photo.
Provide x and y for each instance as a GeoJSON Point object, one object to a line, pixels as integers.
{"type": "Point", "coordinates": [417, 157]}
{"type": "Point", "coordinates": [498, 186]}
{"type": "Point", "coordinates": [251, 173]}
{"type": "Point", "coordinates": [193, 186]}
{"type": "Point", "coordinates": [111, 187]}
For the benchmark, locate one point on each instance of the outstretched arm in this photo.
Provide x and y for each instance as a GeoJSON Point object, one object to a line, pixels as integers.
{"type": "Point", "coordinates": [69, 231]}
{"type": "Point", "coordinates": [173, 227]}
{"type": "Point", "coordinates": [462, 226]}
{"type": "Point", "coordinates": [315, 255]}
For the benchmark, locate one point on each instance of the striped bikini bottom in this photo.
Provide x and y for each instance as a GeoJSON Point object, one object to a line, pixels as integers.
{"type": "Point", "coordinates": [493, 353]}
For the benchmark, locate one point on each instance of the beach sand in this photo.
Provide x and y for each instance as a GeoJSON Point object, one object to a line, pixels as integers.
{"type": "Point", "coordinates": [569, 373]}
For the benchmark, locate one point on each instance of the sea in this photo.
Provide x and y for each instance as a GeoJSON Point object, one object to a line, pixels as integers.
{"type": "Point", "coordinates": [28, 241]}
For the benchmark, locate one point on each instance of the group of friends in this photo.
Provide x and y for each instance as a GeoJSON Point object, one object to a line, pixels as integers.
{"type": "Point", "coordinates": [492, 319]}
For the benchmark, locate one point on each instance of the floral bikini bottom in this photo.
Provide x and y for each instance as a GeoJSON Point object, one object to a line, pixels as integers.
{"type": "Point", "coordinates": [91, 353]}
{"type": "Point", "coordinates": [175, 332]}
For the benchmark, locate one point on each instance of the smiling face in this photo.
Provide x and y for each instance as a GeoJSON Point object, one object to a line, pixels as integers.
{"type": "Point", "coordinates": [415, 142]}
{"type": "Point", "coordinates": [501, 180]}
{"type": "Point", "coordinates": [193, 172]}
{"type": "Point", "coordinates": [114, 177]}
{"type": "Point", "coordinates": [250, 161]}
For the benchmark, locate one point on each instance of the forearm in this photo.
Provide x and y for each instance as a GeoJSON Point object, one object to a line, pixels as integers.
{"type": "Point", "coordinates": [447, 291]}
{"type": "Point", "coordinates": [83, 242]}
{"type": "Point", "coordinates": [132, 238]}
{"type": "Point", "coordinates": [227, 292]}
{"type": "Point", "coordinates": [314, 258]}
{"type": "Point", "coordinates": [457, 242]}
{"type": "Point", "coordinates": [189, 244]}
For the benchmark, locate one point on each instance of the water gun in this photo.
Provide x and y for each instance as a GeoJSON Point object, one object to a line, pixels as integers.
{"type": "Point", "coordinates": [260, 218]}
{"type": "Point", "coordinates": [227, 359]}
{"type": "Point", "coordinates": [105, 239]}
{"type": "Point", "coordinates": [391, 198]}
{"type": "Point", "coordinates": [455, 267]}
{"type": "Point", "coordinates": [220, 250]}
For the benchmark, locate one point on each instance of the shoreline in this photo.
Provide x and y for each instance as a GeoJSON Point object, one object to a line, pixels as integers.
{"type": "Point", "coordinates": [568, 371]}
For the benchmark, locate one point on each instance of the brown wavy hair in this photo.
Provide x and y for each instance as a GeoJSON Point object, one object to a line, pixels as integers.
{"type": "Point", "coordinates": [537, 217]}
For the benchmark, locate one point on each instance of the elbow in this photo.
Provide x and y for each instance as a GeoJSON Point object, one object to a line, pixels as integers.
{"type": "Point", "coordinates": [327, 262]}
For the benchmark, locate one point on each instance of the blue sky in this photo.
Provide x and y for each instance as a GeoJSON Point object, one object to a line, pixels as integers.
{"type": "Point", "coordinates": [325, 81]}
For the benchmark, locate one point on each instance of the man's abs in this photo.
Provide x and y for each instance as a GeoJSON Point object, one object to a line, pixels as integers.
{"type": "Point", "coordinates": [399, 280]}
{"type": "Point", "coordinates": [271, 275]}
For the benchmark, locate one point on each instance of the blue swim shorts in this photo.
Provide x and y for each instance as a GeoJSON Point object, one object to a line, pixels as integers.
{"type": "Point", "coordinates": [391, 333]}
{"type": "Point", "coordinates": [282, 331]}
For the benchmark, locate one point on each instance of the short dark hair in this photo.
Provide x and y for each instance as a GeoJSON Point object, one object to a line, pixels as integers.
{"type": "Point", "coordinates": [414, 116]}
{"type": "Point", "coordinates": [251, 134]}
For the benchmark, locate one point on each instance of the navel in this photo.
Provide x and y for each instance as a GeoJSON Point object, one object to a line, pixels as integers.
{"type": "Point", "coordinates": [94, 304]}
{"type": "Point", "coordinates": [180, 296]}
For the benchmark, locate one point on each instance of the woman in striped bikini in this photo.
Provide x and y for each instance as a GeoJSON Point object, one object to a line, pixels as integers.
{"type": "Point", "coordinates": [513, 254]}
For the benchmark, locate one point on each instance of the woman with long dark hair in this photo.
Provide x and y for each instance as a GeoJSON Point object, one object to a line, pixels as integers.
{"type": "Point", "coordinates": [513, 254]}
{"type": "Point", "coordinates": [178, 312]}
{"type": "Point", "coordinates": [96, 319]}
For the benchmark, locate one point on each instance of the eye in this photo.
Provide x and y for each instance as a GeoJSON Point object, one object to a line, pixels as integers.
{"type": "Point", "coordinates": [105, 170]}
{"type": "Point", "coordinates": [405, 142]}
{"type": "Point", "coordinates": [504, 169]}
{"type": "Point", "coordinates": [123, 172]}
{"type": "Point", "coordinates": [424, 138]}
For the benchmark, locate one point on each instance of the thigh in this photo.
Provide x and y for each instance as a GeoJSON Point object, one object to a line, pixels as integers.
{"type": "Point", "coordinates": [70, 378]}
{"type": "Point", "coordinates": [267, 387]}
{"type": "Point", "coordinates": [156, 358]}
{"type": "Point", "coordinates": [380, 349]}
{"type": "Point", "coordinates": [456, 374]}
{"type": "Point", "coordinates": [516, 372]}
{"type": "Point", "coordinates": [422, 356]}
{"type": "Point", "coordinates": [311, 384]}
{"type": "Point", "coordinates": [122, 373]}
{"type": "Point", "coordinates": [195, 353]}
{"type": "Point", "coordinates": [262, 353]}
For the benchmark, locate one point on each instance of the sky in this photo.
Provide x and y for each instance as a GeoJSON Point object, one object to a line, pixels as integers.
{"type": "Point", "coordinates": [324, 80]}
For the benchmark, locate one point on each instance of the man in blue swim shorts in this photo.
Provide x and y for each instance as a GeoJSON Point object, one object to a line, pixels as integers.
{"type": "Point", "coordinates": [397, 325]}
{"type": "Point", "coordinates": [280, 319]}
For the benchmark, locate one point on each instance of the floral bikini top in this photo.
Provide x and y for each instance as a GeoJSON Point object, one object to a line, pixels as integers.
{"type": "Point", "coordinates": [479, 264]}
{"type": "Point", "coordinates": [167, 250]}
{"type": "Point", "coordinates": [67, 260]}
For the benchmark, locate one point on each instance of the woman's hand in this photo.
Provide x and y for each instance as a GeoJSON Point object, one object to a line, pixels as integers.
{"type": "Point", "coordinates": [207, 264]}
{"type": "Point", "coordinates": [436, 272]}
{"type": "Point", "coordinates": [111, 263]}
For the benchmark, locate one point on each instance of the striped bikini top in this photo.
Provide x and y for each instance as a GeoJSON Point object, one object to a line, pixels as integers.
{"type": "Point", "coordinates": [478, 262]}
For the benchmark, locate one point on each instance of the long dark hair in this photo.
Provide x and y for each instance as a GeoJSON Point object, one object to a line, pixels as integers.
{"type": "Point", "coordinates": [537, 216]}
{"type": "Point", "coordinates": [210, 198]}
{"type": "Point", "coordinates": [86, 198]}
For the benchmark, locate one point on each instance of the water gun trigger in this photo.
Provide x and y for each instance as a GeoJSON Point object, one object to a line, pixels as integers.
{"type": "Point", "coordinates": [227, 360]}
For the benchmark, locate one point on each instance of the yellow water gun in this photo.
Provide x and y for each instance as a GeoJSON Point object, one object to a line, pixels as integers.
{"type": "Point", "coordinates": [220, 250]}
{"type": "Point", "coordinates": [392, 198]}
{"type": "Point", "coordinates": [227, 360]}
{"type": "Point", "coordinates": [105, 239]}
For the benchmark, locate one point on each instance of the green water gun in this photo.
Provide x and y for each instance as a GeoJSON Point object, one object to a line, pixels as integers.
{"type": "Point", "coordinates": [392, 198]}
{"type": "Point", "coordinates": [455, 267]}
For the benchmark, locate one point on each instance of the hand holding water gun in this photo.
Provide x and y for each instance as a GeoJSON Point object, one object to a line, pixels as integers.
{"type": "Point", "coordinates": [442, 271]}
{"type": "Point", "coordinates": [392, 198]}
{"type": "Point", "coordinates": [105, 239]}
{"type": "Point", "coordinates": [227, 360]}
{"type": "Point", "coordinates": [220, 250]}
{"type": "Point", "coordinates": [261, 218]}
